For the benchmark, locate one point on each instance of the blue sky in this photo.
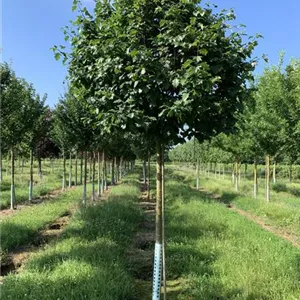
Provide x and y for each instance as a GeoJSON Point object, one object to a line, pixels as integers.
{"type": "Point", "coordinates": [31, 27]}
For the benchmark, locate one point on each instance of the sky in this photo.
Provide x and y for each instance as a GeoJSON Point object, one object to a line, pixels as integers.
{"type": "Point", "coordinates": [29, 28]}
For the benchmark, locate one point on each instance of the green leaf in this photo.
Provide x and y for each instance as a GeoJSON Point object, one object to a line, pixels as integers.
{"type": "Point", "coordinates": [175, 82]}
{"type": "Point", "coordinates": [57, 56]}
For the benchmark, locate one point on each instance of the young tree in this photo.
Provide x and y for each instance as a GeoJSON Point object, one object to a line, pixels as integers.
{"type": "Point", "coordinates": [161, 68]}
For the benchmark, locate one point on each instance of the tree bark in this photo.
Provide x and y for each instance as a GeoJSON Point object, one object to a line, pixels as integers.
{"type": "Point", "coordinates": [197, 174]}
{"type": "Point", "coordinates": [30, 175]}
{"type": "Point", "coordinates": [81, 168]}
{"type": "Point", "coordinates": [144, 172]}
{"type": "Point", "coordinates": [267, 178]}
{"type": "Point", "coordinates": [236, 176]}
{"type": "Point", "coordinates": [93, 174]}
{"type": "Point", "coordinates": [103, 172]}
{"type": "Point", "coordinates": [64, 171]}
{"type": "Point", "coordinates": [290, 172]}
{"type": "Point", "coordinates": [149, 178]}
{"type": "Point", "coordinates": [99, 174]}
{"type": "Point", "coordinates": [76, 168]}
{"type": "Point", "coordinates": [84, 178]}
{"type": "Point", "coordinates": [113, 172]}
{"type": "Point", "coordinates": [70, 171]}
{"type": "Point", "coordinates": [12, 188]}
{"type": "Point", "coordinates": [1, 174]}
{"type": "Point", "coordinates": [40, 166]}
{"type": "Point", "coordinates": [158, 223]}
{"type": "Point", "coordinates": [255, 183]}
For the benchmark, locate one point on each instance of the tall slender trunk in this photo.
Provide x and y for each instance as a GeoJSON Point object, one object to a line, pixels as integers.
{"type": "Point", "coordinates": [90, 164]}
{"type": "Point", "coordinates": [163, 226]}
{"type": "Point", "coordinates": [12, 187]}
{"type": "Point", "coordinates": [117, 161]}
{"type": "Point", "coordinates": [236, 176]}
{"type": "Point", "coordinates": [274, 171]}
{"type": "Point", "coordinates": [121, 168]}
{"type": "Point", "coordinates": [1, 174]}
{"type": "Point", "coordinates": [103, 179]}
{"type": "Point", "coordinates": [40, 167]}
{"type": "Point", "coordinates": [158, 223]}
{"type": "Point", "coordinates": [76, 167]}
{"type": "Point", "coordinates": [223, 166]}
{"type": "Point", "coordinates": [81, 167]}
{"type": "Point", "coordinates": [290, 172]}
{"type": "Point", "coordinates": [113, 172]}
{"type": "Point", "coordinates": [105, 174]}
{"type": "Point", "coordinates": [144, 172]}
{"type": "Point", "coordinates": [149, 177]}
{"type": "Point", "coordinates": [233, 174]}
{"type": "Point", "coordinates": [64, 171]}
{"type": "Point", "coordinates": [99, 174]}
{"type": "Point", "coordinates": [197, 174]}
{"type": "Point", "coordinates": [84, 178]}
{"type": "Point", "coordinates": [70, 171]}
{"type": "Point", "coordinates": [93, 174]}
{"type": "Point", "coordinates": [30, 175]}
{"type": "Point", "coordinates": [245, 173]}
{"type": "Point", "coordinates": [268, 177]}
{"type": "Point", "coordinates": [255, 183]}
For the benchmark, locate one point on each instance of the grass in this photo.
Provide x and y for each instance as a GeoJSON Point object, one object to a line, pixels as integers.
{"type": "Point", "coordinates": [87, 262]}
{"type": "Point", "coordinates": [51, 181]}
{"type": "Point", "coordinates": [22, 228]}
{"type": "Point", "coordinates": [282, 211]}
{"type": "Point", "coordinates": [214, 253]}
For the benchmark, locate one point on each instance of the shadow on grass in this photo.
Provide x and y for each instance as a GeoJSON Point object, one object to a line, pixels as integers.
{"type": "Point", "coordinates": [88, 260]}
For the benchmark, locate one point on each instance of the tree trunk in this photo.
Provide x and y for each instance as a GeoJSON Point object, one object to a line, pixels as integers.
{"type": "Point", "coordinates": [197, 174]}
{"type": "Point", "coordinates": [233, 174]}
{"type": "Point", "coordinates": [274, 172]}
{"type": "Point", "coordinates": [223, 171]}
{"type": "Point", "coordinates": [113, 172]}
{"type": "Point", "coordinates": [76, 167]}
{"type": "Point", "coordinates": [158, 223]}
{"type": "Point", "coordinates": [1, 174]}
{"type": "Point", "coordinates": [267, 177]}
{"type": "Point", "coordinates": [144, 172]}
{"type": "Point", "coordinates": [84, 178]}
{"type": "Point", "coordinates": [12, 187]}
{"type": "Point", "coordinates": [81, 167]}
{"type": "Point", "coordinates": [90, 164]}
{"type": "Point", "coordinates": [255, 183]}
{"type": "Point", "coordinates": [163, 226]}
{"type": "Point", "coordinates": [121, 168]}
{"type": "Point", "coordinates": [117, 162]}
{"type": "Point", "coordinates": [30, 175]}
{"type": "Point", "coordinates": [40, 167]}
{"type": "Point", "coordinates": [103, 172]}
{"type": "Point", "coordinates": [236, 176]}
{"type": "Point", "coordinates": [99, 175]}
{"type": "Point", "coordinates": [290, 172]}
{"type": "Point", "coordinates": [93, 174]}
{"type": "Point", "coordinates": [245, 173]}
{"type": "Point", "coordinates": [149, 178]}
{"type": "Point", "coordinates": [64, 171]}
{"type": "Point", "coordinates": [70, 171]}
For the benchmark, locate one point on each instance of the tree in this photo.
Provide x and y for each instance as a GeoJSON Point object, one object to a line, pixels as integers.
{"type": "Point", "coordinates": [166, 69]}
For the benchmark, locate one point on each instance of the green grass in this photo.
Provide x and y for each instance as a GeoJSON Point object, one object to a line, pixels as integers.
{"type": "Point", "coordinates": [88, 260]}
{"type": "Point", "coordinates": [214, 253]}
{"type": "Point", "coordinates": [22, 228]}
{"type": "Point", "coordinates": [282, 211]}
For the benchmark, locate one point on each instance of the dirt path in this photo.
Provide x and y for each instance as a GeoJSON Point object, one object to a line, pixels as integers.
{"type": "Point", "coordinates": [256, 219]}
{"type": "Point", "coordinates": [275, 230]}
{"type": "Point", "coordinates": [49, 196]}
{"type": "Point", "coordinates": [13, 261]}
{"type": "Point", "coordinates": [140, 253]}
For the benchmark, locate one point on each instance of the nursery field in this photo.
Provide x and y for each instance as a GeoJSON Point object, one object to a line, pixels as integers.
{"type": "Point", "coordinates": [105, 250]}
